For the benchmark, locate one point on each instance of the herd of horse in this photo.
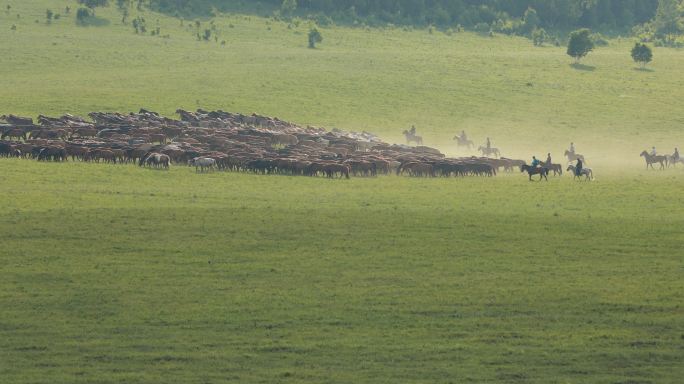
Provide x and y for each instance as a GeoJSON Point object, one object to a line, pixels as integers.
{"type": "Point", "coordinates": [218, 140]}
{"type": "Point", "coordinates": [224, 141]}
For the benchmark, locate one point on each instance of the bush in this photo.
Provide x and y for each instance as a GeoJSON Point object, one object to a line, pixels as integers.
{"type": "Point", "coordinates": [539, 36]}
{"type": "Point", "coordinates": [314, 37]}
{"type": "Point", "coordinates": [82, 15]}
{"type": "Point", "coordinates": [642, 54]}
{"type": "Point", "coordinates": [580, 44]}
{"type": "Point", "coordinates": [323, 20]}
{"type": "Point", "coordinates": [599, 40]}
{"type": "Point", "coordinates": [481, 28]}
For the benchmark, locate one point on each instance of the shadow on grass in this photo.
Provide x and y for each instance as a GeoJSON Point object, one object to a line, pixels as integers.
{"type": "Point", "coordinates": [582, 67]}
{"type": "Point", "coordinates": [94, 21]}
{"type": "Point", "coordinates": [640, 69]}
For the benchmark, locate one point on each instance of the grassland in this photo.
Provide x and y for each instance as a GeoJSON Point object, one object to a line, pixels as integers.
{"type": "Point", "coordinates": [117, 274]}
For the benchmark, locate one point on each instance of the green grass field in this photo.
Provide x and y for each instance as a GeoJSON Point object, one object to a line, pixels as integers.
{"type": "Point", "coordinates": [119, 274]}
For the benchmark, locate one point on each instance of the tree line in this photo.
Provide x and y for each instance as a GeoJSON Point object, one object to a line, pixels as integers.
{"type": "Point", "coordinates": [609, 15]}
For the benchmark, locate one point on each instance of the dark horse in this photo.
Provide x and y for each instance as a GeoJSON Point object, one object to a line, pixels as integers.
{"type": "Point", "coordinates": [541, 171]}
{"type": "Point", "coordinates": [652, 159]}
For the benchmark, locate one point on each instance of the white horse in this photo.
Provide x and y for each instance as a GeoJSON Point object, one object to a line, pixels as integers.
{"type": "Point", "coordinates": [671, 160]}
{"type": "Point", "coordinates": [489, 151]}
{"type": "Point", "coordinates": [201, 163]}
{"type": "Point", "coordinates": [586, 172]}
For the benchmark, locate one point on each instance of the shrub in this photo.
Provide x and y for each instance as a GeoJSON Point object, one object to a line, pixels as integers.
{"type": "Point", "coordinates": [82, 15]}
{"type": "Point", "coordinates": [580, 44]}
{"type": "Point", "coordinates": [481, 28]}
{"type": "Point", "coordinates": [314, 37]}
{"type": "Point", "coordinates": [599, 40]}
{"type": "Point", "coordinates": [642, 54]}
{"type": "Point", "coordinates": [539, 36]}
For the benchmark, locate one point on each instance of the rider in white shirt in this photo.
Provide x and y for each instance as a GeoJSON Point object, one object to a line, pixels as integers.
{"type": "Point", "coordinates": [653, 151]}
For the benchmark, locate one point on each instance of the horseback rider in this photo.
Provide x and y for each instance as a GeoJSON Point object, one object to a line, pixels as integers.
{"type": "Point", "coordinates": [675, 155]}
{"type": "Point", "coordinates": [653, 151]}
{"type": "Point", "coordinates": [463, 136]}
{"type": "Point", "coordinates": [412, 131]}
{"type": "Point", "coordinates": [548, 159]}
{"type": "Point", "coordinates": [578, 168]}
{"type": "Point", "coordinates": [572, 148]}
{"type": "Point", "coordinates": [489, 144]}
{"type": "Point", "coordinates": [535, 162]}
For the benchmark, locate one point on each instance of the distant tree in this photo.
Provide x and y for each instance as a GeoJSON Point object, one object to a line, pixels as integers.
{"type": "Point", "coordinates": [314, 37]}
{"type": "Point", "coordinates": [288, 7]}
{"type": "Point", "coordinates": [530, 21]}
{"type": "Point", "coordinates": [580, 44]}
{"type": "Point", "coordinates": [92, 4]}
{"type": "Point", "coordinates": [667, 18]}
{"type": "Point", "coordinates": [124, 15]}
{"type": "Point", "coordinates": [13, 27]}
{"type": "Point", "coordinates": [67, 9]}
{"type": "Point", "coordinates": [642, 54]}
{"type": "Point", "coordinates": [139, 25]}
{"type": "Point", "coordinates": [8, 9]}
{"type": "Point", "coordinates": [207, 35]}
{"type": "Point", "coordinates": [48, 16]}
{"type": "Point", "coordinates": [82, 15]}
{"type": "Point", "coordinates": [539, 36]}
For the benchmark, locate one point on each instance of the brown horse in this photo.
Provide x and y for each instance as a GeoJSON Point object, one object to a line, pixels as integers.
{"type": "Point", "coordinates": [331, 170]}
{"type": "Point", "coordinates": [541, 171]}
{"type": "Point", "coordinates": [556, 168]}
{"type": "Point", "coordinates": [651, 159]}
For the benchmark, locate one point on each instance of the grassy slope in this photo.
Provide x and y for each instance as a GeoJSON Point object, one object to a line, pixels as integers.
{"type": "Point", "coordinates": [119, 274]}
{"type": "Point", "coordinates": [146, 276]}
{"type": "Point", "coordinates": [378, 80]}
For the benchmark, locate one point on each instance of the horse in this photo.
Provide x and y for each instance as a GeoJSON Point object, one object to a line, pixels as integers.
{"type": "Point", "coordinates": [154, 159]}
{"type": "Point", "coordinates": [574, 156]}
{"type": "Point", "coordinates": [670, 160]}
{"type": "Point", "coordinates": [651, 159]}
{"type": "Point", "coordinates": [410, 137]}
{"type": "Point", "coordinates": [586, 172]}
{"type": "Point", "coordinates": [200, 163]}
{"type": "Point", "coordinates": [17, 120]}
{"type": "Point", "coordinates": [541, 171]}
{"type": "Point", "coordinates": [556, 168]}
{"type": "Point", "coordinates": [331, 170]}
{"type": "Point", "coordinates": [489, 151]}
{"type": "Point", "coordinates": [460, 142]}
